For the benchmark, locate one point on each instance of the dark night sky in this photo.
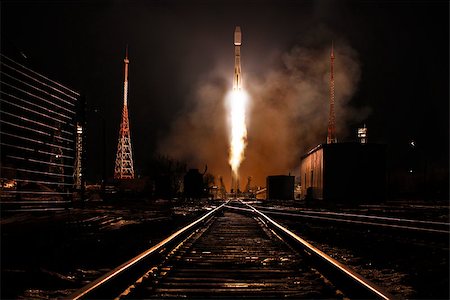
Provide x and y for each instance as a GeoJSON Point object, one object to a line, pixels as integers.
{"type": "Point", "coordinates": [402, 48]}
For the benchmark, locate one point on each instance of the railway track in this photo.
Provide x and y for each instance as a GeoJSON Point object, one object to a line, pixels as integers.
{"type": "Point", "coordinates": [430, 227]}
{"type": "Point", "coordinates": [233, 251]}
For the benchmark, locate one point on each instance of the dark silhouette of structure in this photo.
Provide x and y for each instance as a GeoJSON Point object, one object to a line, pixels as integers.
{"type": "Point", "coordinates": [331, 138]}
{"type": "Point", "coordinates": [344, 173]}
{"type": "Point", "coordinates": [193, 184]}
{"type": "Point", "coordinates": [280, 187]}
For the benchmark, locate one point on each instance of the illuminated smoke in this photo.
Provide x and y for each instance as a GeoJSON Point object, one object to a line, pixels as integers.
{"type": "Point", "coordinates": [287, 116]}
{"type": "Point", "coordinates": [290, 106]}
{"type": "Point", "coordinates": [237, 105]}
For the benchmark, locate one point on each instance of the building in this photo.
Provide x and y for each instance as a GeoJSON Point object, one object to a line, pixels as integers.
{"type": "Point", "coordinates": [280, 187]}
{"type": "Point", "coordinates": [40, 137]}
{"type": "Point", "coordinates": [344, 173]}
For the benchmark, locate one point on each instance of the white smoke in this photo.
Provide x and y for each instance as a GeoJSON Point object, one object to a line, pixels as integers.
{"type": "Point", "coordinates": [288, 113]}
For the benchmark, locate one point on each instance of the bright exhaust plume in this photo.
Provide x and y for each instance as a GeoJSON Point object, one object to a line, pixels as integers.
{"type": "Point", "coordinates": [237, 101]}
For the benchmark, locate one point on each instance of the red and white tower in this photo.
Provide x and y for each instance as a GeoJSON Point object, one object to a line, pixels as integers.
{"type": "Point", "coordinates": [124, 158]}
{"type": "Point", "coordinates": [331, 138]}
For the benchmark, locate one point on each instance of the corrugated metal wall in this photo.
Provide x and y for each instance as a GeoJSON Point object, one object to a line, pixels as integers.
{"type": "Point", "coordinates": [38, 135]}
{"type": "Point", "coordinates": [311, 174]}
{"type": "Point", "coordinates": [345, 172]}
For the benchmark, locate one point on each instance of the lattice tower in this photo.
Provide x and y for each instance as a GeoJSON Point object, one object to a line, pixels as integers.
{"type": "Point", "coordinates": [331, 138]}
{"type": "Point", "coordinates": [124, 159]}
{"type": "Point", "coordinates": [223, 190]}
{"type": "Point", "coordinates": [78, 156]}
{"type": "Point", "coordinates": [248, 187]}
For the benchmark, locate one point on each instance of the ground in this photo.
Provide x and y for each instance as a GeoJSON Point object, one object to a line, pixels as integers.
{"type": "Point", "coordinates": [50, 254]}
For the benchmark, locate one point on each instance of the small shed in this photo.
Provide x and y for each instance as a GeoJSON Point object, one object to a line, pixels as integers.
{"type": "Point", "coordinates": [345, 173]}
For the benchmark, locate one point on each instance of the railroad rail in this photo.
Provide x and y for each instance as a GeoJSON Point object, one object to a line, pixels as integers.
{"type": "Point", "coordinates": [362, 219]}
{"type": "Point", "coordinates": [233, 251]}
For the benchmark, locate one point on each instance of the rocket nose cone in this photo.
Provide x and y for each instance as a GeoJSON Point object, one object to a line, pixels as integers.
{"type": "Point", "coordinates": [237, 36]}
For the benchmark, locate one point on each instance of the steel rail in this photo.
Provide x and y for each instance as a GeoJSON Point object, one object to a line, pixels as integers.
{"type": "Point", "coordinates": [127, 265]}
{"type": "Point", "coordinates": [392, 219]}
{"type": "Point", "coordinates": [429, 230]}
{"type": "Point", "coordinates": [331, 262]}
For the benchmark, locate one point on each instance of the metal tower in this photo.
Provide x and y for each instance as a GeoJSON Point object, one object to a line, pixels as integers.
{"type": "Point", "coordinates": [331, 138]}
{"type": "Point", "coordinates": [124, 158]}
{"type": "Point", "coordinates": [56, 164]}
{"type": "Point", "coordinates": [223, 190]}
{"type": "Point", "coordinates": [78, 156]}
{"type": "Point", "coordinates": [248, 187]}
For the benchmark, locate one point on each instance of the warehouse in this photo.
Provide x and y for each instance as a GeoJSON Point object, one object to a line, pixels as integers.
{"type": "Point", "coordinates": [344, 173]}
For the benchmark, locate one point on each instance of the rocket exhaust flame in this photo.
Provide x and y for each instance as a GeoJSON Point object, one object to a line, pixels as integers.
{"type": "Point", "coordinates": [237, 104]}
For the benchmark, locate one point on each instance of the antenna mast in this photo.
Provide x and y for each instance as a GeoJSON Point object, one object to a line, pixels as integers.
{"type": "Point", "coordinates": [331, 138]}
{"type": "Point", "coordinates": [124, 158]}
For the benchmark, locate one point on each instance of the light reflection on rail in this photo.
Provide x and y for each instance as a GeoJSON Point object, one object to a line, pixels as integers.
{"type": "Point", "coordinates": [306, 214]}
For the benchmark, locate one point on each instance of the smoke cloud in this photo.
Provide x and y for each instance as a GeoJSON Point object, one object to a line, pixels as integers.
{"type": "Point", "coordinates": [288, 113]}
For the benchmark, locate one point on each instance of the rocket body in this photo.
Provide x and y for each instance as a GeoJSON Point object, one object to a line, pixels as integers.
{"type": "Point", "coordinates": [237, 81]}
{"type": "Point", "coordinates": [238, 103]}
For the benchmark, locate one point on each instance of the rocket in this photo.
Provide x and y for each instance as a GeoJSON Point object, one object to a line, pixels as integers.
{"type": "Point", "coordinates": [237, 80]}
